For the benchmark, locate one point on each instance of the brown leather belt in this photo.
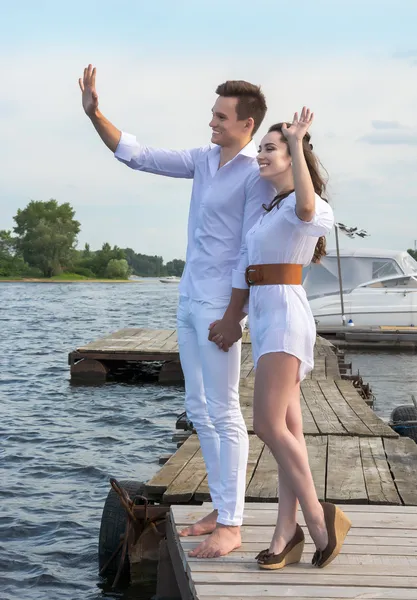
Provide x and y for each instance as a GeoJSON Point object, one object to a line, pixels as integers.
{"type": "Point", "coordinates": [277, 274]}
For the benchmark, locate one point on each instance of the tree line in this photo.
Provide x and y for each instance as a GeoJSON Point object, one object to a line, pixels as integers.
{"type": "Point", "coordinates": [43, 244]}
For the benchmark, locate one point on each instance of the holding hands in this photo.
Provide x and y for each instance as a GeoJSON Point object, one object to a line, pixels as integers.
{"type": "Point", "coordinates": [225, 333]}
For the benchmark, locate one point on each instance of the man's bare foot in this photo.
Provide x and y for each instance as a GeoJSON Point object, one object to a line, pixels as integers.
{"type": "Point", "coordinates": [206, 525]}
{"type": "Point", "coordinates": [223, 540]}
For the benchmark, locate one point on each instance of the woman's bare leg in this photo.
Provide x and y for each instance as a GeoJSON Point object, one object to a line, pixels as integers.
{"type": "Point", "coordinates": [288, 503]}
{"type": "Point", "coordinates": [276, 388]}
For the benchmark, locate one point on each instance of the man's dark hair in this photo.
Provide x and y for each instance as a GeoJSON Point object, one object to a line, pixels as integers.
{"type": "Point", "coordinates": [250, 100]}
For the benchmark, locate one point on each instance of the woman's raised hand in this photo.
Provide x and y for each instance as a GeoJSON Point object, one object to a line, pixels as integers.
{"type": "Point", "coordinates": [299, 125]}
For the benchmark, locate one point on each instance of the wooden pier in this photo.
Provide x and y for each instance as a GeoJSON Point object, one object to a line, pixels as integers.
{"type": "Point", "coordinates": [357, 461]}
{"type": "Point", "coordinates": [378, 560]}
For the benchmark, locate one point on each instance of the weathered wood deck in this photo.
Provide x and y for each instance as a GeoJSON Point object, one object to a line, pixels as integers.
{"type": "Point", "coordinates": [378, 559]}
{"type": "Point", "coordinates": [355, 457]}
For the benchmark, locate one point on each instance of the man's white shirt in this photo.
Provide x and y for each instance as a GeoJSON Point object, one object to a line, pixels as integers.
{"type": "Point", "coordinates": [225, 204]}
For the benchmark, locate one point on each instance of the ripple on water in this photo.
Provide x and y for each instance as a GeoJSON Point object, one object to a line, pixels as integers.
{"type": "Point", "coordinates": [59, 444]}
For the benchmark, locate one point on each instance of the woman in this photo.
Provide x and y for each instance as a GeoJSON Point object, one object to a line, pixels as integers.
{"type": "Point", "coordinates": [287, 236]}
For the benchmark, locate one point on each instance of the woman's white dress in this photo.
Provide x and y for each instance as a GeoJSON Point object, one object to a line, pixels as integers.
{"type": "Point", "coordinates": [280, 318]}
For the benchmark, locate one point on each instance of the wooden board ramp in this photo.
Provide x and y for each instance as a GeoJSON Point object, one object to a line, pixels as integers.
{"type": "Point", "coordinates": [378, 559]}
{"type": "Point", "coordinates": [133, 346]}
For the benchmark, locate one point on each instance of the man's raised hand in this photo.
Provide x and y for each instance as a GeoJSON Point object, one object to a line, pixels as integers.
{"type": "Point", "coordinates": [89, 94]}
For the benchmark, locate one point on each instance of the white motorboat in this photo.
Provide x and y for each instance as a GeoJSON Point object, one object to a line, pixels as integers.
{"type": "Point", "coordinates": [379, 289]}
{"type": "Point", "coordinates": [170, 279]}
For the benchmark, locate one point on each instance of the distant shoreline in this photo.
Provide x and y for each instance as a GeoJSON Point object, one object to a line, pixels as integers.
{"type": "Point", "coordinates": [36, 280]}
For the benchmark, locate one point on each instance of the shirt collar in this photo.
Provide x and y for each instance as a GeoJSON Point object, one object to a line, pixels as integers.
{"type": "Point", "coordinates": [249, 150]}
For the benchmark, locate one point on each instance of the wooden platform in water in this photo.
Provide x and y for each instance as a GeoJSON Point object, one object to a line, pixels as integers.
{"type": "Point", "coordinates": [371, 338]}
{"type": "Point", "coordinates": [378, 559]}
{"type": "Point", "coordinates": [96, 360]}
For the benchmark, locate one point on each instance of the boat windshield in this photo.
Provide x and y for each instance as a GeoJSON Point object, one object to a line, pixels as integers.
{"type": "Point", "coordinates": [399, 283]}
{"type": "Point", "coordinates": [322, 279]}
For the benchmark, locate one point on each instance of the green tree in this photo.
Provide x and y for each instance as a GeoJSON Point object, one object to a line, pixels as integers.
{"type": "Point", "coordinates": [142, 264]}
{"type": "Point", "coordinates": [175, 267]}
{"type": "Point", "coordinates": [412, 253]}
{"type": "Point", "coordinates": [118, 269]}
{"type": "Point", "coordinates": [11, 262]}
{"type": "Point", "coordinates": [101, 258]}
{"type": "Point", "coordinates": [47, 234]}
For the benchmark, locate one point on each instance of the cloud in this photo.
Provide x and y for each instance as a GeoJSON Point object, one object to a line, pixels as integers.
{"type": "Point", "coordinates": [394, 138]}
{"type": "Point", "coordinates": [53, 151]}
{"type": "Point", "coordinates": [409, 57]}
{"type": "Point", "coordinates": [405, 54]}
{"type": "Point", "coordinates": [387, 125]}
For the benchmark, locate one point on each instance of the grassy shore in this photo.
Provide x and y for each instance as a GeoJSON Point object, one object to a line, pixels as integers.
{"type": "Point", "coordinates": [66, 278]}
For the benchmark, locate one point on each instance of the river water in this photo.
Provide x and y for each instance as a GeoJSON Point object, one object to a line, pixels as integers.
{"type": "Point", "coordinates": [59, 443]}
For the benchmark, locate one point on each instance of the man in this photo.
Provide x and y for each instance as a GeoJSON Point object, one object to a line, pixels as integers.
{"type": "Point", "coordinates": [226, 200]}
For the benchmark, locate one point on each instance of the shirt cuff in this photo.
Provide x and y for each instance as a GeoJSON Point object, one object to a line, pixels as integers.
{"type": "Point", "coordinates": [126, 146]}
{"type": "Point", "coordinates": [238, 280]}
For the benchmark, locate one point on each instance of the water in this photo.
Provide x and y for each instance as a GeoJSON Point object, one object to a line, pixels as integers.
{"type": "Point", "coordinates": [59, 444]}
{"type": "Point", "coordinates": [391, 375]}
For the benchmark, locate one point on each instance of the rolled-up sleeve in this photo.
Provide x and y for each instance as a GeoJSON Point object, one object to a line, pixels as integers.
{"type": "Point", "coordinates": [320, 225]}
{"type": "Point", "coordinates": [160, 161]}
{"type": "Point", "coordinates": [258, 192]}
{"type": "Point", "coordinates": [238, 274]}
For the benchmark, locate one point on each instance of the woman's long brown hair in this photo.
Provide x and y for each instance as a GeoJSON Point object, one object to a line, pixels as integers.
{"type": "Point", "coordinates": [319, 183]}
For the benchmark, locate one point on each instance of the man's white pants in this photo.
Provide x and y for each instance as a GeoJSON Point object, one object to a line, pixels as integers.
{"type": "Point", "coordinates": [212, 404]}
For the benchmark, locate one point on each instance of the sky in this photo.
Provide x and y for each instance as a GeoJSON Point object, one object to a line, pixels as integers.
{"type": "Point", "coordinates": [158, 65]}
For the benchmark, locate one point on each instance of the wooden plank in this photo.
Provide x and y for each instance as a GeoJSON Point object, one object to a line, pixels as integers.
{"type": "Point", "coordinates": [351, 508]}
{"type": "Point", "coordinates": [339, 567]}
{"type": "Point", "coordinates": [160, 482]}
{"type": "Point", "coordinates": [346, 415]}
{"type": "Point", "coordinates": [378, 479]}
{"type": "Point", "coordinates": [319, 371]}
{"type": "Point", "coordinates": [256, 447]}
{"type": "Point", "coordinates": [372, 421]}
{"type": "Point", "coordinates": [325, 418]}
{"type": "Point", "coordinates": [122, 333]}
{"type": "Point", "coordinates": [302, 591]}
{"type": "Point", "coordinates": [345, 478]}
{"type": "Point", "coordinates": [259, 535]}
{"type": "Point", "coordinates": [171, 343]}
{"type": "Point", "coordinates": [296, 576]}
{"type": "Point", "coordinates": [332, 366]}
{"type": "Point", "coordinates": [309, 424]}
{"type": "Point", "coordinates": [264, 482]}
{"type": "Point", "coordinates": [402, 459]}
{"type": "Point", "coordinates": [256, 546]}
{"type": "Point", "coordinates": [158, 339]}
{"type": "Point", "coordinates": [184, 583]}
{"type": "Point", "coordinates": [202, 493]}
{"type": "Point", "coordinates": [317, 456]}
{"type": "Point", "coordinates": [182, 488]}
{"type": "Point", "coordinates": [399, 521]}
{"type": "Point", "coordinates": [128, 355]}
